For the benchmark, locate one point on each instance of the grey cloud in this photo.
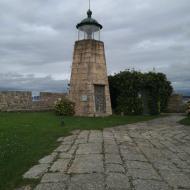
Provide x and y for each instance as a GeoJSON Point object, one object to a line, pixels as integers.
{"type": "Point", "coordinates": [37, 38]}
{"type": "Point", "coordinates": [32, 83]}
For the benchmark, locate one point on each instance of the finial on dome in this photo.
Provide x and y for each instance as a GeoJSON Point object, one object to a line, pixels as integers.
{"type": "Point", "coordinates": [89, 13]}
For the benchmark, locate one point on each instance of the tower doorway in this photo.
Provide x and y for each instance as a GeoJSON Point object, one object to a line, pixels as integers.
{"type": "Point", "coordinates": [100, 103]}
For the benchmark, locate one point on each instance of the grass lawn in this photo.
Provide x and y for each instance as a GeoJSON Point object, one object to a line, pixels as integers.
{"type": "Point", "coordinates": [185, 121]}
{"type": "Point", "coordinates": [27, 137]}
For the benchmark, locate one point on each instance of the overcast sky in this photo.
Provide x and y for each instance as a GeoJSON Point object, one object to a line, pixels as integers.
{"type": "Point", "coordinates": [37, 39]}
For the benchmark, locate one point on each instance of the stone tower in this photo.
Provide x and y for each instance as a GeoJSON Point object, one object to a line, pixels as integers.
{"type": "Point", "coordinates": [89, 87]}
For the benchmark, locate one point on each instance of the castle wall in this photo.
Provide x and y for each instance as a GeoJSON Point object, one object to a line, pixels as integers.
{"type": "Point", "coordinates": [46, 101]}
{"type": "Point", "coordinates": [22, 101]}
{"type": "Point", "coordinates": [15, 100]}
{"type": "Point", "coordinates": [88, 70]}
{"type": "Point", "coordinates": [176, 104]}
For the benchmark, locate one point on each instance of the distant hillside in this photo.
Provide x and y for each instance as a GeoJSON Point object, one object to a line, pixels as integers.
{"type": "Point", "coordinates": [63, 90]}
{"type": "Point", "coordinates": [183, 92]}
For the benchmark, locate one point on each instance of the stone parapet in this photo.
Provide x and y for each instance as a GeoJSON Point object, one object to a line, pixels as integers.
{"type": "Point", "coordinates": [176, 104]}
{"type": "Point", "coordinates": [22, 101]}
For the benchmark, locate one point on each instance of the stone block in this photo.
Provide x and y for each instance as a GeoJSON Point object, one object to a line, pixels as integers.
{"type": "Point", "coordinates": [54, 178]}
{"type": "Point", "coordinates": [87, 164]}
{"type": "Point", "coordinates": [63, 148]}
{"type": "Point", "coordinates": [113, 159]}
{"type": "Point", "coordinates": [114, 168]}
{"type": "Point", "coordinates": [116, 181]}
{"type": "Point", "coordinates": [143, 174]}
{"type": "Point", "coordinates": [48, 159]}
{"type": "Point", "coordinates": [150, 185]}
{"type": "Point", "coordinates": [111, 149]}
{"type": "Point", "coordinates": [28, 187]}
{"type": "Point", "coordinates": [90, 148]}
{"type": "Point", "coordinates": [176, 179]}
{"type": "Point", "coordinates": [139, 165]}
{"type": "Point", "coordinates": [60, 165]}
{"type": "Point", "coordinates": [36, 171]}
{"type": "Point", "coordinates": [51, 186]}
{"type": "Point", "coordinates": [87, 182]}
{"type": "Point", "coordinates": [65, 155]}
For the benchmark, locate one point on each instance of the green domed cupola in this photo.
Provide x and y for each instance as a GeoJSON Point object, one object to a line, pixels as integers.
{"type": "Point", "coordinates": [89, 21]}
{"type": "Point", "coordinates": [89, 27]}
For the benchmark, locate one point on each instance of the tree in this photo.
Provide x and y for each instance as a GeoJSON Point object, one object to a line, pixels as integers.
{"type": "Point", "coordinates": [128, 87]}
{"type": "Point", "coordinates": [124, 89]}
{"type": "Point", "coordinates": [159, 90]}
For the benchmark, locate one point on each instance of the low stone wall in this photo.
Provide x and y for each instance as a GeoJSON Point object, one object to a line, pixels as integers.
{"type": "Point", "coordinates": [176, 104]}
{"type": "Point", "coordinates": [22, 101]}
{"type": "Point", "coordinates": [46, 101]}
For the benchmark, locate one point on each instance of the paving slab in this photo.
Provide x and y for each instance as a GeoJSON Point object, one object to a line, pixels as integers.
{"type": "Point", "coordinates": [65, 155]}
{"type": "Point", "coordinates": [28, 187]}
{"type": "Point", "coordinates": [143, 174]}
{"type": "Point", "coordinates": [150, 185]}
{"type": "Point", "coordinates": [87, 182]}
{"type": "Point", "coordinates": [113, 158]}
{"type": "Point", "coordinates": [63, 148]}
{"type": "Point", "coordinates": [55, 177]}
{"type": "Point", "coordinates": [177, 180]}
{"type": "Point", "coordinates": [114, 168]}
{"type": "Point", "coordinates": [95, 137]}
{"type": "Point", "coordinates": [87, 164]}
{"type": "Point", "coordinates": [36, 171]}
{"type": "Point", "coordinates": [51, 186]}
{"type": "Point", "coordinates": [60, 165]}
{"type": "Point", "coordinates": [133, 157]}
{"type": "Point", "coordinates": [111, 149]}
{"type": "Point", "coordinates": [48, 159]}
{"type": "Point", "coordinates": [139, 165]}
{"type": "Point", "coordinates": [90, 148]}
{"type": "Point", "coordinates": [116, 181]}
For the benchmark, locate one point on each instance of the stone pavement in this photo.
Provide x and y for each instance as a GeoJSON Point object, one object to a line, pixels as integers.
{"type": "Point", "coordinates": [153, 155]}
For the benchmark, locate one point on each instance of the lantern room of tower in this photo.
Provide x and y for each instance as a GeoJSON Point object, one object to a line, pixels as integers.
{"type": "Point", "coordinates": [89, 27]}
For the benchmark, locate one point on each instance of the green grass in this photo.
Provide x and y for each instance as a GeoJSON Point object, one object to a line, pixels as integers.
{"type": "Point", "coordinates": [185, 121]}
{"type": "Point", "coordinates": [27, 137]}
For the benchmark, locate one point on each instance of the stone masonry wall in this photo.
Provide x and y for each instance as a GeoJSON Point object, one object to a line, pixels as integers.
{"type": "Point", "coordinates": [46, 101]}
{"type": "Point", "coordinates": [22, 101]}
{"type": "Point", "coordinates": [176, 104]}
{"type": "Point", "coordinates": [88, 69]}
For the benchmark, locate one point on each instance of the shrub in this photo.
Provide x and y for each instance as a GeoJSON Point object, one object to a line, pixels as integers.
{"type": "Point", "coordinates": [134, 93]}
{"type": "Point", "coordinates": [188, 108]}
{"type": "Point", "coordinates": [129, 106]}
{"type": "Point", "coordinates": [64, 107]}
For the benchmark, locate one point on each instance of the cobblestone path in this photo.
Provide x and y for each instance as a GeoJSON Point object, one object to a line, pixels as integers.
{"type": "Point", "coordinates": [153, 155]}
